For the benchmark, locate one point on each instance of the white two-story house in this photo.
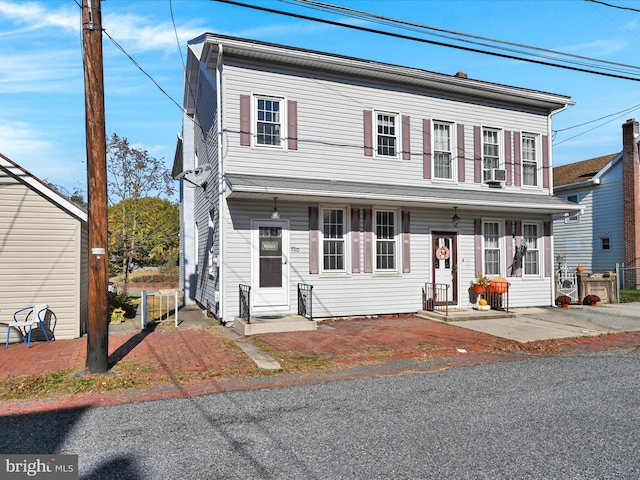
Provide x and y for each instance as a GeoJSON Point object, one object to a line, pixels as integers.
{"type": "Point", "coordinates": [364, 180]}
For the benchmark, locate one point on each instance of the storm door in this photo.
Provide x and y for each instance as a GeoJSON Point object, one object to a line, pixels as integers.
{"type": "Point", "coordinates": [445, 263]}
{"type": "Point", "coordinates": [270, 284]}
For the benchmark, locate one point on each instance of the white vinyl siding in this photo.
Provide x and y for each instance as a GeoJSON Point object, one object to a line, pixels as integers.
{"type": "Point", "coordinates": [41, 259]}
{"type": "Point", "coordinates": [443, 167]}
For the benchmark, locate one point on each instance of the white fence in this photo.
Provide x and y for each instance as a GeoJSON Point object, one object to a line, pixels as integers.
{"type": "Point", "coordinates": [158, 305]}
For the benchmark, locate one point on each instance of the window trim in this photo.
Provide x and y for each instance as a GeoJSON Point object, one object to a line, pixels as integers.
{"type": "Point", "coordinates": [346, 238]}
{"type": "Point", "coordinates": [500, 140]}
{"type": "Point", "coordinates": [538, 166]}
{"type": "Point", "coordinates": [255, 97]}
{"type": "Point", "coordinates": [398, 132]}
{"type": "Point", "coordinates": [602, 241]}
{"type": "Point", "coordinates": [501, 246]}
{"type": "Point", "coordinates": [397, 240]}
{"type": "Point", "coordinates": [568, 218]}
{"type": "Point", "coordinates": [453, 146]}
{"type": "Point", "coordinates": [540, 249]}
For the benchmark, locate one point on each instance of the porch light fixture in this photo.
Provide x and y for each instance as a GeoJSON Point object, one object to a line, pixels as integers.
{"type": "Point", "coordinates": [275, 215]}
{"type": "Point", "coordinates": [455, 219]}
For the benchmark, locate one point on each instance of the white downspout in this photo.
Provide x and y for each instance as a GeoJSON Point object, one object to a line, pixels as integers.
{"type": "Point", "coordinates": [221, 208]}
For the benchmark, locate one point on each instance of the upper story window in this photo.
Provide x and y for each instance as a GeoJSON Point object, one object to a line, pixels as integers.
{"type": "Point", "coordinates": [268, 121]}
{"type": "Point", "coordinates": [442, 151]}
{"type": "Point", "coordinates": [529, 160]}
{"type": "Point", "coordinates": [605, 243]}
{"type": "Point", "coordinates": [490, 148]}
{"type": "Point", "coordinates": [571, 218]}
{"type": "Point", "coordinates": [531, 240]}
{"type": "Point", "coordinates": [491, 236]}
{"type": "Point", "coordinates": [386, 134]}
{"type": "Point", "coordinates": [386, 241]}
{"type": "Point", "coordinates": [334, 241]}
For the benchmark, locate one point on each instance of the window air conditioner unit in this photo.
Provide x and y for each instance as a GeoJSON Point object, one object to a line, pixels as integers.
{"type": "Point", "coordinates": [495, 175]}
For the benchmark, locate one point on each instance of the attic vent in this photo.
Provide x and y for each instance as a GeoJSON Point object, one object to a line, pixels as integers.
{"type": "Point", "coordinates": [461, 75]}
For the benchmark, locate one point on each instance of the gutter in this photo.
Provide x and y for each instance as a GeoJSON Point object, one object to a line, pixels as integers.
{"type": "Point", "coordinates": [221, 187]}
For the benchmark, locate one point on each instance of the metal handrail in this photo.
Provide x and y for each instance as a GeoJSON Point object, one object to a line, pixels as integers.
{"type": "Point", "coordinates": [435, 297]}
{"type": "Point", "coordinates": [245, 303]}
{"type": "Point", "coordinates": [305, 300]}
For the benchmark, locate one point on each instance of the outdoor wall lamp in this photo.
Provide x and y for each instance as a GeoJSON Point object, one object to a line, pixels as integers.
{"type": "Point", "coordinates": [275, 215]}
{"type": "Point", "coordinates": [455, 219]}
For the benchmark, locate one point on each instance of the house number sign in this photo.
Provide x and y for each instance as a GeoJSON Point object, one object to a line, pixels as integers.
{"type": "Point", "coordinates": [442, 253]}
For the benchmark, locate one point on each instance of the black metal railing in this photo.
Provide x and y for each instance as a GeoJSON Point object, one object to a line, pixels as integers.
{"type": "Point", "coordinates": [245, 303]}
{"type": "Point", "coordinates": [435, 297]}
{"type": "Point", "coordinates": [497, 297]}
{"type": "Point", "coordinates": [305, 300]}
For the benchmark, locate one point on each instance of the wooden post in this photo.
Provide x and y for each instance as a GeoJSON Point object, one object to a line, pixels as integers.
{"type": "Point", "coordinates": [98, 275]}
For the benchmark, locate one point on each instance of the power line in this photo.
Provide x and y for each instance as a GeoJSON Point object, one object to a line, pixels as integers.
{"type": "Point", "coordinates": [422, 40]}
{"type": "Point", "coordinates": [613, 6]}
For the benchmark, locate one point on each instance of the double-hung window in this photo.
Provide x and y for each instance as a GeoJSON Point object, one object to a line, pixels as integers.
{"type": "Point", "coordinates": [529, 160]}
{"type": "Point", "coordinates": [575, 217]}
{"type": "Point", "coordinates": [442, 154]}
{"type": "Point", "coordinates": [490, 148]}
{"type": "Point", "coordinates": [333, 242]}
{"type": "Point", "coordinates": [531, 240]}
{"type": "Point", "coordinates": [268, 121]}
{"type": "Point", "coordinates": [492, 247]}
{"type": "Point", "coordinates": [386, 241]}
{"type": "Point", "coordinates": [387, 134]}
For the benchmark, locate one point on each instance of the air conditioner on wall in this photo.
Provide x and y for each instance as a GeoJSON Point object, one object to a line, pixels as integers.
{"type": "Point", "coordinates": [495, 175]}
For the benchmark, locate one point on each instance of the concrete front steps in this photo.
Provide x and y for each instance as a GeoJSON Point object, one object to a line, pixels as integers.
{"type": "Point", "coordinates": [289, 323]}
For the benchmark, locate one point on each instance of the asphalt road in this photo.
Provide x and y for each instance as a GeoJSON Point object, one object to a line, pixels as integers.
{"type": "Point", "coordinates": [569, 417]}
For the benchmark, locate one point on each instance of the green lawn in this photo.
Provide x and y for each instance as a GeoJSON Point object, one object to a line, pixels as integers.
{"type": "Point", "coordinates": [628, 296]}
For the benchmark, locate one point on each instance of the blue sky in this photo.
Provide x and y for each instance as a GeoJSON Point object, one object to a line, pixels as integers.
{"type": "Point", "coordinates": [42, 89]}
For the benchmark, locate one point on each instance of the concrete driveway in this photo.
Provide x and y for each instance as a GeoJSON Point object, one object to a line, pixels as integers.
{"type": "Point", "coordinates": [545, 323]}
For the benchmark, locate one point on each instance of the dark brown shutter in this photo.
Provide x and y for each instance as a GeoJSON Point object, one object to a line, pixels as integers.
{"type": "Point", "coordinates": [477, 154]}
{"type": "Point", "coordinates": [314, 235]}
{"type": "Point", "coordinates": [508, 161]}
{"type": "Point", "coordinates": [517, 159]}
{"type": "Point", "coordinates": [477, 243]}
{"type": "Point", "coordinates": [355, 240]}
{"type": "Point", "coordinates": [545, 162]}
{"type": "Point", "coordinates": [461, 158]}
{"type": "Point", "coordinates": [292, 121]}
{"type": "Point", "coordinates": [406, 137]}
{"type": "Point", "coordinates": [547, 250]}
{"type": "Point", "coordinates": [406, 242]}
{"type": "Point", "coordinates": [245, 120]}
{"type": "Point", "coordinates": [426, 148]}
{"type": "Point", "coordinates": [368, 240]}
{"type": "Point", "coordinates": [367, 119]}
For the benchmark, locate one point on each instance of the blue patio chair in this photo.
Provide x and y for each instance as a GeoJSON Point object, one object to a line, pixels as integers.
{"type": "Point", "coordinates": [34, 316]}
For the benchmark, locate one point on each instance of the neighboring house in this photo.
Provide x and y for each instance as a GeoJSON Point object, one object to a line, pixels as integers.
{"type": "Point", "coordinates": [363, 179]}
{"type": "Point", "coordinates": [43, 251]}
{"type": "Point", "coordinates": [607, 189]}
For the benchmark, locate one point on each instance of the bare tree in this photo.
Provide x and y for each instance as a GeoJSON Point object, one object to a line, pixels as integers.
{"type": "Point", "coordinates": [132, 176]}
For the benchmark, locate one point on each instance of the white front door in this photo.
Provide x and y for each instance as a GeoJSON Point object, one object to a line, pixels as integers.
{"type": "Point", "coordinates": [445, 263]}
{"type": "Point", "coordinates": [270, 282]}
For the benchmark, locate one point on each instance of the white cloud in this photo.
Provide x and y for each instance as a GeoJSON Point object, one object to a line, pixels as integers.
{"type": "Point", "coordinates": [597, 47]}
{"type": "Point", "coordinates": [34, 16]}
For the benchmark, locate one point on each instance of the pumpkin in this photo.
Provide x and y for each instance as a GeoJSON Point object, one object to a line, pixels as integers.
{"type": "Point", "coordinates": [579, 268]}
{"type": "Point", "coordinates": [482, 302]}
{"type": "Point", "coordinates": [499, 285]}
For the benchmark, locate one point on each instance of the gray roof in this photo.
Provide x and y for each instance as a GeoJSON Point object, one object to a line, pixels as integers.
{"type": "Point", "coordinates": [302, 189]}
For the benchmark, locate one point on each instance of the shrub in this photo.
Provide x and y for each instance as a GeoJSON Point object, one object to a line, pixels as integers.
{"type": "Point", "coordinates": [590, 299]}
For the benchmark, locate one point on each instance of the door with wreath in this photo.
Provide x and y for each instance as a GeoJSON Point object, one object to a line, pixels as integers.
{"type": "Point", "coordinates": [445, 263]}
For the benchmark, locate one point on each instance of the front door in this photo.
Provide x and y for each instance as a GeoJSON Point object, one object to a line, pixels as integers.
{"type": "Point", "coordinates": [445, 266]}
{"type": "Point", "coordinates": [270, 283]}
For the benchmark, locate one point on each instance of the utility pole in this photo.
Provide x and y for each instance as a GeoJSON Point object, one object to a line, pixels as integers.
{"type": "Point", "coordinates": [98, 275]}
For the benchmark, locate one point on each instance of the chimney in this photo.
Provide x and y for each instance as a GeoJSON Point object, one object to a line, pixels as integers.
{"type": "Point", "coordinates": [631, 195]}
{"type": "Point", "coordinates": [461, 75]}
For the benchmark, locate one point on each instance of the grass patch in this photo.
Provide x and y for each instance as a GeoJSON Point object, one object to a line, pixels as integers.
{"type": "Point", "coordinates": [629, 296]}
{"type": "Point", "coordinates": [298, 362]}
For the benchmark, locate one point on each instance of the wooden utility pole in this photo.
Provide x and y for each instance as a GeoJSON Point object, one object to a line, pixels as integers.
{"type": "Point", "coordinates": [98, 323]}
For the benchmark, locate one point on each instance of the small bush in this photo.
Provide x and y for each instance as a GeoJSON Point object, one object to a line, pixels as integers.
{"type": "Point", "coordinates": [590, 299]}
